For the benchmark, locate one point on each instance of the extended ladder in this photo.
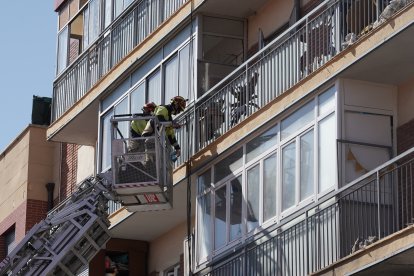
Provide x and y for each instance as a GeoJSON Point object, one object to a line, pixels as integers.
{"type": "Point", "coordinates": [69, 237]}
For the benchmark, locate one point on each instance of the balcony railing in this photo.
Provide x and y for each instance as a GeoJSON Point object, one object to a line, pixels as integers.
{"type": "Point", "coordinates": [114, 44]}
{"type": "Point", "coordinates": [295, 54]}
{"type": "Point", "coordinates": [369, 209]}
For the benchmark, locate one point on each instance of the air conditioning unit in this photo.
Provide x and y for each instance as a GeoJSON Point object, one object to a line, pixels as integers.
{"type": "Point", "coordinates": [189, 255]}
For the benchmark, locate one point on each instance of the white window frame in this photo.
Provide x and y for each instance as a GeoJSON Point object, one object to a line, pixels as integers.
{"type": "Point", "coordinates": [275, 150]}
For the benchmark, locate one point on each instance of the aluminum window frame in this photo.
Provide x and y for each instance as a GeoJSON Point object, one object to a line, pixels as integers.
{"type": "Point", "coordinates": [274, 150]}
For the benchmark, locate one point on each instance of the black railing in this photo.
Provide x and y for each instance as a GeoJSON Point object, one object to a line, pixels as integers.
{"type": "Point", "coordinates": [369, 209]}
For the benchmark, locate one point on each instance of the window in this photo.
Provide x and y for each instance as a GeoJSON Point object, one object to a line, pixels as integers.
{"type": "Point", "coordinates": [106, 141]}
{"type": "Point", "coordinates": [228, 165]}
{"type": "Point", "coordinates": [253, 182]}
{"type": "Point", "coordinates": [92, 19]}
{"type": "Point", "coordinates": [261, 144]}
{"type": "Point", "coordinates": [204, 215]}
{"type": "Point", "coordinates": [268, 177]}
{"type": "Point", "coordinates": [159, 85]}
{"type": "Point", "coordinates": [172, 271]}
{"type": "Point", "coordinates": [62, 50]}
{"type": "Point", "coordinates": [138, 98]}
{"type": "Point", "coordinates": [154, 88]}
{"type": "Point", "coordinates": [184, 80]}
{"type": "Point", "coordinates": [222, 49]}
{"type": "Point", "coordinates": [220, 217]}
{"type": "Point", "coordinates": [9, 239]}
{"type": "Point", "coordinates": [269, 187]}
{"type": "Point", "coordinates": [120, 6]}
{"type": "Point", "coordinates": [122, 108]}
{"type": "Point", "coordinates": [77, 30]}
{"type": "Point", "coordinates": [171, 79]}
{"type": "Point", "coordinates": [297, 120]}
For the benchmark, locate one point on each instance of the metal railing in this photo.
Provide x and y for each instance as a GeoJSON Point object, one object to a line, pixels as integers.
{"type": "Point", "coordinates": [114, 44]}
{"type": "Point", "coordinates": [370, 208]}
{"type": "Point", "coordinates": [295, 54]}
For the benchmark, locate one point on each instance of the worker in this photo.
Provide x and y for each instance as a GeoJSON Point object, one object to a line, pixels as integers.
{"type": "Point", "coordinates": [164, 114]}
{"type": "Point", "coordinates": [138, 126]}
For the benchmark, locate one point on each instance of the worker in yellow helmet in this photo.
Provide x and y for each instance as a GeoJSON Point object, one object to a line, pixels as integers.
{"type": "Point", "coordinates": [138, 126]}
{"type": "Point", "coordinates": [164, 114]}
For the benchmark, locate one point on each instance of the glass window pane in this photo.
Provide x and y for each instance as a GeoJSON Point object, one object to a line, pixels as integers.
{"type": "Point", "coordinates": [306, 165]}
{"type": "Point", "coordinates": [138, 99]}
{"type": "Point", "coordinates": [108, 13]}
{"type": "Point", "coordinates": [223, 26]}
{"type": "Point", "coordinates": [171, 80]}
{"type": "Point", "coordinates": [63, 16]}
{"type": "Point", "coordinates": [154, 88]}
{"type": "Point", "coordinates": [204, 182]}
{"type": "Point", "coordinates": [185, 73]}
{"type": "Point", "coordinates": [74, 8]}
{"type": "Point", "coordinates": [228, 165]}
{"type": "Point", "coordinates": [261, 143]}
{"type": "Point", "coordinates": [288, 176]}
{"type": "Point", "coordinates": [327, 101]}
{"type": "Point", "coordinates": [122, 108]}
{"type": "Point", "coordinates": [269, 187]}
{"type": "Point", "coordinates": [106, 141]}
{"type": "Point", "coordinates": [94, 20]}
{"type": "Point", "coordinates": [220, 218]}
{"type": "Point", "coordinates": [236, 199]}
{"type": "Point", "coordinates": [86, 40]}
{"type": "Point", "coordinates": [222, 50]}
{"type": "Point", "coordinates": [127, 3]}
{"type": "Point", "coordinates": [327, 153]}
{"type": "Point", "coordinates": [204, 225]}
{"type": "Point", "coordinates": [297, 120]}
{"type": "Point", "coordinates": [118, 7]}
{"type": "Point", "coordinates": [253, 198]}
{"type": "Point", "coordinates": [62, 50]}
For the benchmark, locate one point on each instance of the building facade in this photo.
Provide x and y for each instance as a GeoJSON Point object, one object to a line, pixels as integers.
{"type": "Point", "coordinates": [296, 140]}
{"type": "Point", "coordinates": [27, 178]}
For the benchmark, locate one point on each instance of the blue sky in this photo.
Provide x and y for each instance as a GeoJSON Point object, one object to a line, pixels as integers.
{"type": "Point", "coordinates": [27, 62]}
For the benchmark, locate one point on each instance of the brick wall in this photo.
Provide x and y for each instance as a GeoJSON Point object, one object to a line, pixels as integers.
{"type": "Point", "coordinates": [18, 218]}
{"type": "Point", "coordinates": [68, 170]}
{"type": "Point", "coordinates": [36, 211]}
{"type": "Point", "coordinates": [23, 218]}
{"type": "Point", "coordinates": [405, 136]}
{"type": "Point", "coordinates": [2, 248]}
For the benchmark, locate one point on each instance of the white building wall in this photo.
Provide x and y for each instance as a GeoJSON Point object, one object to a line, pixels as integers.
{"type": "Point", "coordinates": [86, 161]}
{"type": "Point", "coordinates": [165, 251]}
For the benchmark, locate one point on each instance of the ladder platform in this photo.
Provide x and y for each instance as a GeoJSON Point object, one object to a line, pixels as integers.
{"type": "Point", "coordinates": [141, 166]}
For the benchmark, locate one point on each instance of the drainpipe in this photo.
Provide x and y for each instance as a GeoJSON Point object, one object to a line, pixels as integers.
{"type": "Point", "coordinates": [296, 6]}
{"type": "Point", "coordinates": [50, 187]}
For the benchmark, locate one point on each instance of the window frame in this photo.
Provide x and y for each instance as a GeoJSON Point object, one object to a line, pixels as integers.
{"type": "Point", "coordinates": [259, 160]}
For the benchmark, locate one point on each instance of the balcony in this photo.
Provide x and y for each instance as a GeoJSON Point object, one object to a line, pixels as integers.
{"type": "Point", "coordinates": [346, 221]}
{"type": "Point", "coordinates": [280, 66]}
{"type": "Point", "coordinates": [323, 36]}
{"type": "Point", "coordinates": [115, 43]}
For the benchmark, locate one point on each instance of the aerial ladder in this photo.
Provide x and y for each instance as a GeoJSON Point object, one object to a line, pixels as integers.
{"type": "Point", "coordinates": [73, 233]}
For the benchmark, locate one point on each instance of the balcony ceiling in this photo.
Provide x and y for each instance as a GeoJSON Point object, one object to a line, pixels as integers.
{"type": "Point", "coordinates": [401, 264]}
{"type": "Point", "coordinates": [235, 8]}
{"type": "Point", "coordinates": [83, 129]}
{"type": "Point", "coordinates": [146, 226]}
{"type": "Point", "coordinates": [390, 63]}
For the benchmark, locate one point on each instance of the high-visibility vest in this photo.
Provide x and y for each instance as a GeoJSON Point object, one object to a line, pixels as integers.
{"type": "Point", "coordinates": [138, 125]}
